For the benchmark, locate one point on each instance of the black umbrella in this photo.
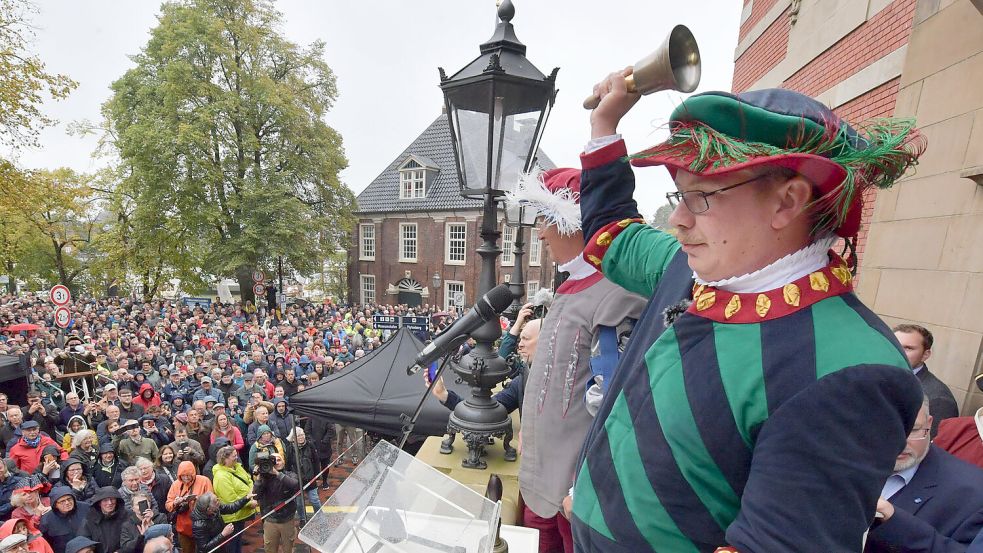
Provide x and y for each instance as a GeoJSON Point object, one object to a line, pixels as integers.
{"type": "Point", "coordinates": [372, 392]}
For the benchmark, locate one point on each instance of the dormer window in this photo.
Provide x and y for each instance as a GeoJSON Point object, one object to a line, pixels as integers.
{"type": "Point", "coordinates": [413, 176]}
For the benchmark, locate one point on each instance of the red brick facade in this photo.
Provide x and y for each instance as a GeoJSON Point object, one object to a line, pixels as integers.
{"type": "Point", "coordinates": [881, 34]}
{"type": "Point", "coordinates": [758, 10]}
{"type": "Point", "coordinates": [762, 56]}
{"type": "Point", "coordinates": [431, 252]}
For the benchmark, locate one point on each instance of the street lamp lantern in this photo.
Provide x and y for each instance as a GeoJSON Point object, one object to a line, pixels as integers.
{"type": "Point", "coordinates": [497, 107]}
{"type": "Point", "coordinates": [520, 215]}
{"type": "Point", "coordinates": [435, 280]}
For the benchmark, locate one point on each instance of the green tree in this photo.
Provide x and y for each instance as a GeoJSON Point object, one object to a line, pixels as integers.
{"type": "Point", "coordinates": [660, 219]}
{"type": "Point", "coordinates": [52, 222]}
{"type": "Point", "coordinates": [219, 129]}
{"type": "Point", "coordinates": [24, 82]}
{"type": "Point", "coordinates": [23, 79]}
{"type": "Point", "coordinates": [141, 244]}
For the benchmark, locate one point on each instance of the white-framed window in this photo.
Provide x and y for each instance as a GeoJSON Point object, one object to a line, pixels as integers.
{"type": "Point", "coordinates": [412, 181]}
{"type": "Point", "coordinates": [367, 284]}
{"type": "Point", "coordinates": [456, 243]}
{"type": "Point", "coordinates": [366, 242]}
{"type": "Point", "coordinates": [507, 277]}
{"type": "Point", "coordinates": [454, 295]}
{"type": "Point", "coordinates": [407, 242]}
{"type": "Point", "coordinates": [534, 247]}
{"type": "Point", "coordinates": [508, 245]}
{"type": "Point", "coordinates": [531, 288]}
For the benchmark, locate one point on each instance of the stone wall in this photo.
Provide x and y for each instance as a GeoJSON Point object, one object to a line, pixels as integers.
{"type": "Point", "coordinates": [924, 258]}
{"type": "Point", "coordinates": [846, 54]}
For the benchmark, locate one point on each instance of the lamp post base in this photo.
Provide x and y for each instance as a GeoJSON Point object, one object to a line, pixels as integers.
{"type": "Point", "coordinates": [477, 436]}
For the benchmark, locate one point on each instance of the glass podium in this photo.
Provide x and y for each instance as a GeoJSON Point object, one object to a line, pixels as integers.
{"type": "Point", "coordinates": [394, 503]}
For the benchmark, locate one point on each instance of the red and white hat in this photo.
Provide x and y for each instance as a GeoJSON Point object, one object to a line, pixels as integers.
{"type": "Point", "coordinates": [554, 194]}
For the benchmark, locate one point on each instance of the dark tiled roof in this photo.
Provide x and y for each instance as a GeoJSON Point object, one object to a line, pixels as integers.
{"type": "Point", "coordinates": [434, 146]}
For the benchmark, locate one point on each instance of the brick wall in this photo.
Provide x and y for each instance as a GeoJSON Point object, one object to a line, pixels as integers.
{"type": "Point", "coordinates": [758, 10]}
{"type": "Point", "coordinates": [883, 33]}
{"type": "Point", "coordinates": [766, 52]}
{"type": "Point", "coordinates": [430, 259]}
{"type": "Point", "coordinates": [878, 102]}
{"type": "Point", "coordinates": [880, 35]}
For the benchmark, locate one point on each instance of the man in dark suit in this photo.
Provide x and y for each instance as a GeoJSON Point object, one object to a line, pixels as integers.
{"type": "Point", "coordinates": [917, 343]}
{"type": "Point", "coordinates": [933, 503]}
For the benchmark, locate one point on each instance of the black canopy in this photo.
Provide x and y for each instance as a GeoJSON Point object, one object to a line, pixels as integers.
{"type": "Point", "coordinates": [372, 392]}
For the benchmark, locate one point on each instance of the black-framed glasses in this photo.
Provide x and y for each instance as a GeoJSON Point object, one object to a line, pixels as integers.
{"type": "Point", "coordinates": [696, 201]}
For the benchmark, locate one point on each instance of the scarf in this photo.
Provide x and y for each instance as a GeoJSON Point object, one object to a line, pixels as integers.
{"type": "Point", "coordinates": [32, 443]}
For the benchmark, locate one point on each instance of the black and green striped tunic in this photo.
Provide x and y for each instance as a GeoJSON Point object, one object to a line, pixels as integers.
{"type": "Point", "coordinates": [770, 436]}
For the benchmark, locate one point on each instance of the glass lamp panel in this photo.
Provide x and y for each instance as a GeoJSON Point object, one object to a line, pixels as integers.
{"type": "Point", "coordinates": [471, 133]}
{"type": "Point", "coordinates": [528, 217]}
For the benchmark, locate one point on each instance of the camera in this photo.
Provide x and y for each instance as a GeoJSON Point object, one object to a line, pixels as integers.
{"type": "Point", "coordinates": [264, 463]}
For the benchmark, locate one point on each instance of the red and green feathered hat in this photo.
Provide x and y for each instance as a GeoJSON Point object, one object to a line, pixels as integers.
{"type": "Point", "coordinates": [716, 133]}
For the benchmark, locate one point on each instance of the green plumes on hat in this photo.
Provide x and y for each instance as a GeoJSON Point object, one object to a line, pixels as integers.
{"type": "Point", "coordinates": [890, 147]}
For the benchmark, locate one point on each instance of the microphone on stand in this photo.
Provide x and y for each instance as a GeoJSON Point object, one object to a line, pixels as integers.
{"type": "Point", "coordinates": [485, 309]}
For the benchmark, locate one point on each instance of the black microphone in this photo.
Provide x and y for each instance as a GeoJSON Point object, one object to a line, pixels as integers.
{"type": "Point", "coordinates": [485, 309]}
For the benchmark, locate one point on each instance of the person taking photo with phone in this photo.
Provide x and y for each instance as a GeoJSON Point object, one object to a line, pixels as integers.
{"type": "Point", "coordinates": [135, 525]}
{"type": "Point", "coordinates": [181, 500]}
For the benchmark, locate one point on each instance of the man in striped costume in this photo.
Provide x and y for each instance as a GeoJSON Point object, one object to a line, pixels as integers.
{"type": "Point", "coordinates": [759, 405]}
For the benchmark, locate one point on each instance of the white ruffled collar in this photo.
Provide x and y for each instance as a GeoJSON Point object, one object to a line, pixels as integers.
{"type": "Point", "coordinates": [578, 267]}
{"type": "Point", "coordinates": [787, 269]}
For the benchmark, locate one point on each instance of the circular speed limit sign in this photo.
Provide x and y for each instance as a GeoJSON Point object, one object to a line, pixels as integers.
{"type": "Point", "coordinates": [259, 289]}
{"type": "Point", "coordinates": [60, 295]}
{"type": "Point", "coordinates": [258, 276]}
{"type": "Point", "coordinates": [62, 317]}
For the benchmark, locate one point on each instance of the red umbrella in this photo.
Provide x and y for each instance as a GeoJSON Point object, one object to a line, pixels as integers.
{"type": "Point", "coordinates": [20, 327]}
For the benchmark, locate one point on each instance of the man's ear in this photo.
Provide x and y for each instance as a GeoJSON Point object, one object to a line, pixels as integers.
{"type": "Point", "coordinates": [926, 355]}
{"type": "Point", "coordinates": [794, 196]}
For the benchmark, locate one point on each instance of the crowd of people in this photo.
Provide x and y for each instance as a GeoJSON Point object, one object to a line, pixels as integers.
{"type": "Point", "coordinates": [186, 433]}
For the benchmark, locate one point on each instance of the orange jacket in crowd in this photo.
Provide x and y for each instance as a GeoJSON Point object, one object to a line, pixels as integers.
{"type": "Point", "coordinates": [199, 486]}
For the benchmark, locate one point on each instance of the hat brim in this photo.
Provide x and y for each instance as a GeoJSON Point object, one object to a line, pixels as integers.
{"type": "Point", "coordinates": [824, 173]}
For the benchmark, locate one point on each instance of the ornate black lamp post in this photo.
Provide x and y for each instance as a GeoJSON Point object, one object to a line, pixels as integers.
{"type": "Point", "coordinates": [435, 280]}
{"type": "Point", "coordinates": [497, 107]}
{"type": "Point", "coordinates": [520, 217]}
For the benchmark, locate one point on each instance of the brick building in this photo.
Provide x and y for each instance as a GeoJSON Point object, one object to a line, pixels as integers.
{"type": "Point", "coordinates": [414, 224]}
{"type": "Point", "coordinates": [923, 262]}
{"type": "Point", "coordinates": [847, 54]}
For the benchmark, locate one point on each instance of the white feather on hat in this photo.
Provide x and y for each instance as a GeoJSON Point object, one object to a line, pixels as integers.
{"type": "Point", "coordinates": [560, 208]}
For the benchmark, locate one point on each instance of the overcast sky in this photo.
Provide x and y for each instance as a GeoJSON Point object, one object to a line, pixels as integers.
{"type": "Point", "coordinates": [385, 54]}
